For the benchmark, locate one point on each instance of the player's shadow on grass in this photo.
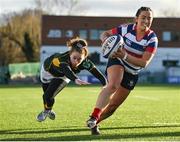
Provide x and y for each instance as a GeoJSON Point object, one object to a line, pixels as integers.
{"type": "Point", "coordinates": [80, 137]}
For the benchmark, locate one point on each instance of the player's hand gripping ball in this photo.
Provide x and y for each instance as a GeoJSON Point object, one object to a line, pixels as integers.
{"type": "Point", "coordinates": [111, 45]}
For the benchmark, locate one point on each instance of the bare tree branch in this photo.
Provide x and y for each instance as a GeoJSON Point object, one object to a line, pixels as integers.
{"type": "Point", "coordinates": [60, 7]}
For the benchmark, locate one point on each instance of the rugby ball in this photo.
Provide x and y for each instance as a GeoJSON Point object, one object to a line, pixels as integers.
{"type": "Point", "coordinates": [111, 44]}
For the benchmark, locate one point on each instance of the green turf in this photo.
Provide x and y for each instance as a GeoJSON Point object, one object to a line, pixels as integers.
{"type": "Point", "coordinates": [149, 114]}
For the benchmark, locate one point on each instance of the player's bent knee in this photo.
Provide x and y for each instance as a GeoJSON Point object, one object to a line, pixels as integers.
{"type": "Point", "coordinates": [113, 87]}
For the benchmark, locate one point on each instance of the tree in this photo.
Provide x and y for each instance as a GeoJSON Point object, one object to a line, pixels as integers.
{"type": "Point", "coordinates": [20, 35]}
{"type": "Point", "coordinates": [60, 7]}
{"type": "Point", "coordinates": [28, 47]}
{"type": "Point", "coordinates": [20, 30]}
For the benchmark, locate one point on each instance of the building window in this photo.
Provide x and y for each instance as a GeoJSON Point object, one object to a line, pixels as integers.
{"type": "Point", "coordinates": [69, 33]}
{"type": "Point", "coordinates": [94, 34]}
{"type": "Point", "coordinates": [166, 36]}
{"type": "Point", "coordinates": [100, 32]}
{"type": "Point", "coordinates": [175, 36]}
{"type": "Point", "coordinates": [171, 36]}
{"type": "Point", "coordinates": [83, 34]}
{"type": "Point", "coordinates": [54, 33]}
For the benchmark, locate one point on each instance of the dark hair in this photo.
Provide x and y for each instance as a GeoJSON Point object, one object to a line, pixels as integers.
{"type": "Point", "coordinates": [79, 45]}
{"type": "Point", "coordinates": [142, 9]}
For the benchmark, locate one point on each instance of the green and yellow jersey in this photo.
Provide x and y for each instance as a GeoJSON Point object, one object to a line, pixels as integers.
{"type": "Point", "coordinates": [59, 65]}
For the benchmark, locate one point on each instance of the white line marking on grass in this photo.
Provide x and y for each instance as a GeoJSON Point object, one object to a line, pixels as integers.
{"type": "Point", "coordinates": [146, 98]}
{"type": "Point", "coordinates": [88, 90]}
{"type": "Point", "coordinates": [94, 91]}
{"type": "Point", "coordinates": [158, 123]}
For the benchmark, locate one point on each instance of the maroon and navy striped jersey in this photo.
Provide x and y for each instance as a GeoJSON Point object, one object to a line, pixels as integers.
{"type": "Point", "coordinates": [136, 47]}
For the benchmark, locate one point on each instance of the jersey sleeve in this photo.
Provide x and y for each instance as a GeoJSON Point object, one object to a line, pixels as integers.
{"type": "Point", "coordinates": [152, 44]}
{"type": "Point", "coordinates": [116, 30]}
{"type": "Point", "coordinates": [89, 65]}
{"type": "Point", "coordinates": [122, 29]}
{"type": "Point", "coordinates": [48, 61]}
{"type": "Point", "coordinates": [86, 64]}
{"type": "Point", "coordinates": [65, 68]}
{"type": "Point", "coordinates": [98, 74]}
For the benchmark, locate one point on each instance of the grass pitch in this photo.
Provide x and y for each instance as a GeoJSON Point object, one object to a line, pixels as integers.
{"type": "Point", "coordinates": [151, 113]}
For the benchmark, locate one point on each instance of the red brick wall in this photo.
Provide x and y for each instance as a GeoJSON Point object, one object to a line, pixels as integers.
{"type": "Point", "coordinates": [76, 23]}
